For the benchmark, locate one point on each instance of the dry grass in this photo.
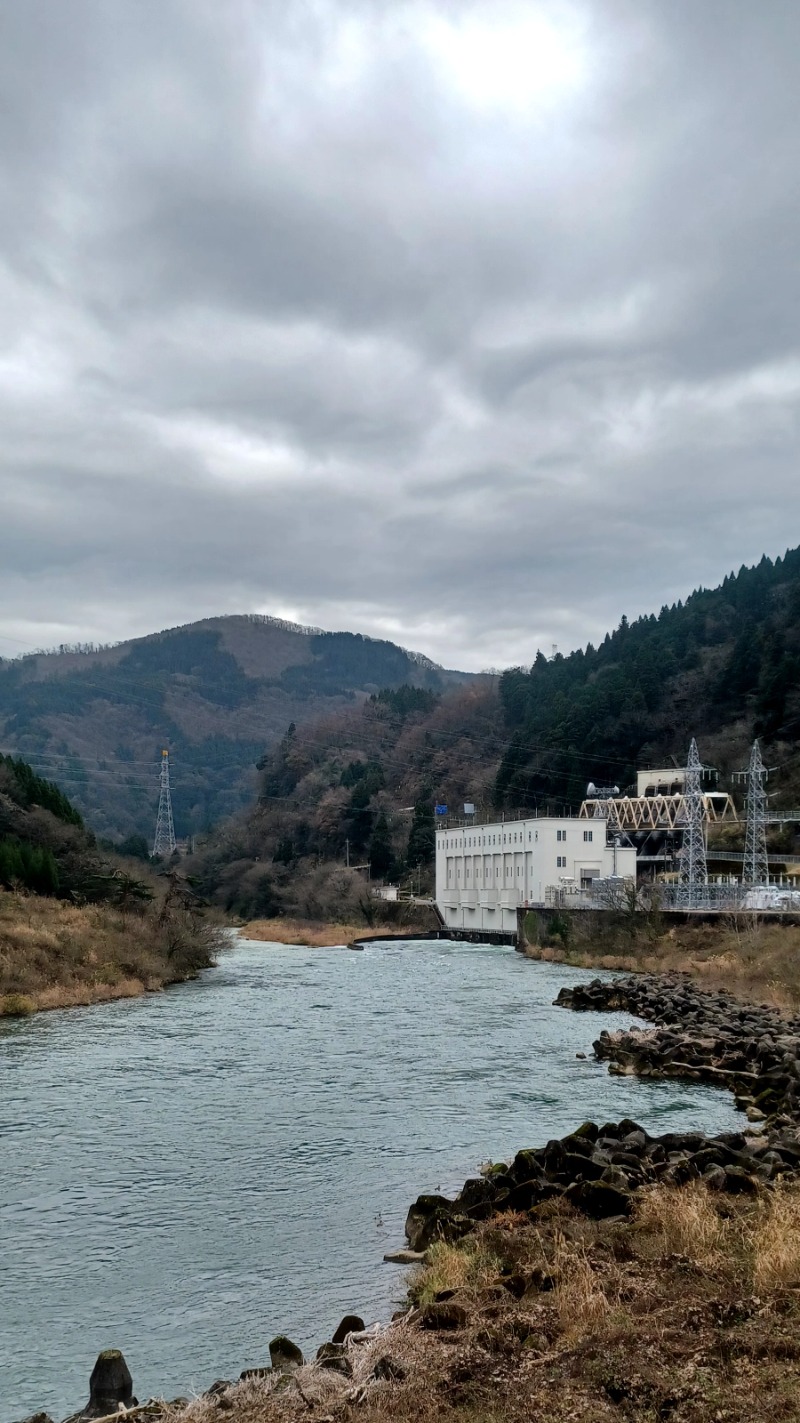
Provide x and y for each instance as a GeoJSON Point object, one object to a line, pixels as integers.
{"type": "Point", "coordinates": [467, 1268]}
{"type": "Point", "coordinates": [55, 954]}
{"type": "Point", "coordinates": [776, 1242]}
{"type": "Point", "coordinates": [581, 1300]}
{"type": "Point", "coordinates": [684, 1222]}
{"type": "Point", "coordinates": [314, 934]}
{"type": "Point", "coordinates": [751, 958]}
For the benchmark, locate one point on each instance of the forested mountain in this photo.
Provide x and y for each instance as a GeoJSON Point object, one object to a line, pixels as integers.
{"type": "Point", "coordinates": [216, 693]}
{"type": "Point", "coordinates": [723, 666]}
{"type": "Point", "coordinates": [360, 787]}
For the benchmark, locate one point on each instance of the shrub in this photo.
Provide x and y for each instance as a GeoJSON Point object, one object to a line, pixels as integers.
{"type": "Point", "coordinates": [16, 1005]}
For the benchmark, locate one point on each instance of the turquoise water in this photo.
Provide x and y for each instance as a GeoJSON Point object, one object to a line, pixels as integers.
{"type": "Point", "coordinates": [187, 1174]}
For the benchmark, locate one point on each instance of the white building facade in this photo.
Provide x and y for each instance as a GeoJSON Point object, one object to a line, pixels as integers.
{"type": "Point", "coordinates": [484, 873]}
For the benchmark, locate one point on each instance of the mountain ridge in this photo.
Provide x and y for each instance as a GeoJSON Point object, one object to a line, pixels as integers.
{"type": "Point", "coordinates": [217, 693]}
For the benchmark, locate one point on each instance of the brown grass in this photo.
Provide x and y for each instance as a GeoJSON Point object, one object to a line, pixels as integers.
{"type": "Point", "coordinates": [776, 1242]}
{"type": "Point", "coordinates": [581, 1299]}
{"type": "Point", "coordinates": [466, 1268]}
{"type": "Point", "coordinates": [752, 958]}
{"type": "Point", "coordinates": [684, 1222]}
{"type": "Point", "coordinates": [313, 933]}
{"type": "Point", "coordinates": [55, 954]}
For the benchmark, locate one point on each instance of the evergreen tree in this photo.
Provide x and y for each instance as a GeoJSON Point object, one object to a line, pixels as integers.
{"type": "Point", "coordinates": [422, 837]}
{"type": "Point", "coordinates": [381, 855]}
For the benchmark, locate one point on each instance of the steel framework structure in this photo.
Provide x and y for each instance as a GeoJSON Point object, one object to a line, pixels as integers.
{"type": "Point", "coordinates": [756, 863]}
{"type": "Point", "coordinates": [692, 887]}
{"type": "Point", "coordinates": [658, 812]}
{"type": "Point", "coordinates": [164, 842]}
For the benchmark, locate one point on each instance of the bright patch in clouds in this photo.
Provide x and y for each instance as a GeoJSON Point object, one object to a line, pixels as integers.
{"type": "Point", "coordinates": [510, 56]}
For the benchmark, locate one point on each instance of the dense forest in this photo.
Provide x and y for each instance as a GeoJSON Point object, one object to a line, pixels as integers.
{"type": "Point", "coordinates": [217, 694]}
{"type": "Point", "coordinates": [352, 791]}
{"type": "Point", "coordinates": [722, 666]}
{"type": "Point", "coordinates": [45, 848]}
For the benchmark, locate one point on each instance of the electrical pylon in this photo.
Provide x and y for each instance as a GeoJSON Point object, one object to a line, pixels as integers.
{"type": "Point", "coordinates": [756, 864]}
{"type": "Point", "coordinates": [164, 843]}
{"type": "Point", "coordinates": [693, 874]}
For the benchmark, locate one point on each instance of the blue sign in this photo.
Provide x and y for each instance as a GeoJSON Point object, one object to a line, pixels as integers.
{"type": "Point", "coordinates": [441, 810]}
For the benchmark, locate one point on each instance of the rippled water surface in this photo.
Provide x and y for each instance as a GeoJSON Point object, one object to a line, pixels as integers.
{"type": "Point", "coordinates": [185, 1175]}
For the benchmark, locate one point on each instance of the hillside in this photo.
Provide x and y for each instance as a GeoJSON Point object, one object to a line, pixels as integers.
{"type": "Point", "coordinates": [77, 925]}
{"type": "Point", "coordinates": [216, 693]}
{"type": "Point", "coordinates": [723, 666]}
{"type": "Point", "coordinates": [359, 786]}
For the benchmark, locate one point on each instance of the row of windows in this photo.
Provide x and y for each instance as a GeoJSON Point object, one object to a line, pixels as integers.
{"type": "Point", "coordinates": [561, 864]}
{"type": "Point", "coordinates": [476, 841]}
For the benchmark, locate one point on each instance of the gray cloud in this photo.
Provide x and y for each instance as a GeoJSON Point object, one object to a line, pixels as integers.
{"type": "Point", "coordinates": [473, 326]}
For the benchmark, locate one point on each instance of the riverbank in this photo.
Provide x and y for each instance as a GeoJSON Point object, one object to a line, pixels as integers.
{"type": "Point", "coordinates": [54, 954]}
{"type": "Point", "coordinates": [750, 957]}
{"type": "Point", "coordinates": [687, 1311]}
{"type": "Point", "coordinates": [318, 934]}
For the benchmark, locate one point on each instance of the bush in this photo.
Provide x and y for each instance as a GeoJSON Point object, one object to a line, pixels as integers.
{"type": "Point", "coordinates": [16, 1005]}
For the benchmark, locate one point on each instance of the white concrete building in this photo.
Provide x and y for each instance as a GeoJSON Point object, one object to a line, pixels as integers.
{"type": "Point", "coordinates": [484, 873]}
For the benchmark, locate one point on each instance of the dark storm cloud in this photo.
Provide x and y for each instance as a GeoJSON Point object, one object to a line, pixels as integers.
{"type": "Point", "coordinates": [473, 326]}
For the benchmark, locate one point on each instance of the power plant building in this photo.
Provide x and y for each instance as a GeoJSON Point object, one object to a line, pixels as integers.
{"type": "Point", "coordinates": [485, 873]}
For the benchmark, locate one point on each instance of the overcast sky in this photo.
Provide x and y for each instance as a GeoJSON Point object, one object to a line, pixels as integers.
{"type": "Point", "coordinates": [472, 325]}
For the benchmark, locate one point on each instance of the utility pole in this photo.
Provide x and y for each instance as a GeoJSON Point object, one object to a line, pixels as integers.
{"type": "Point", "coordinates": [692, 870]}
{"type": "Point", "coordinates": [347, 853]}
{"type": "Point", "coordinates": [756, 863]}
{"type": "Point", "coordinates": [164, 842]}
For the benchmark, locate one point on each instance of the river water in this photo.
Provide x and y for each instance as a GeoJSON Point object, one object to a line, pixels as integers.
{"type": "Point", "coordinates": [184, 1175]}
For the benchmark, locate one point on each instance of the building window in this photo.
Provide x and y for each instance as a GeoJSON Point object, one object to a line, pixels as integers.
{"type": "Point", "coordinates": [587, 834]}
{"type": "Point", "coordinates": [561, 862]}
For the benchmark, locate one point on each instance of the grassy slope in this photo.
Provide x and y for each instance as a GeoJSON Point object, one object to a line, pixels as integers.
{"type": "Point", "coordinates": [752, 958]}
{"type": "Point", "coordinates": [55, 954]}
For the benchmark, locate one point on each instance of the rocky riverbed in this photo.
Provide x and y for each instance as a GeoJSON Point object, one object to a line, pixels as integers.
{"type": "Point", "coordinates": [596, 1169]}
{"type": "Point", "coordinates": [750, 1050]}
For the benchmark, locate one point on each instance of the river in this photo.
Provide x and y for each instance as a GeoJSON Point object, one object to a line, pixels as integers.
{"type": "Point", "coordinates": [185, 1175]}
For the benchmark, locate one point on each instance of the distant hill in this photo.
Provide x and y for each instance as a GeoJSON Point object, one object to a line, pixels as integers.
{"type": "Point", "coordinates": [217, 693]}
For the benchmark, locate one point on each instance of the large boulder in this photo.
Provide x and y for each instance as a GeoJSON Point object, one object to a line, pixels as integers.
{"type": "Point", "coordinates": [110, 1388]}
{"type": "Point", "coordinates": [599, 1199]}
{"type": "Point", "coordinates": [284, 1355]}
{"type": "Point", "coordinates": [351, 1324]}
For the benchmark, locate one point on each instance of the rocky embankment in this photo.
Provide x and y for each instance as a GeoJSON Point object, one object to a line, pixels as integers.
{"type": "Point", "coordinates": [596, 1169]}
{"type": "Point", "coordinates": [709, 1037]}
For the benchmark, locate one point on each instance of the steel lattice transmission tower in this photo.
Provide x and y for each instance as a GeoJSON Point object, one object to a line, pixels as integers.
{"type": "Point", "coordinates": [756, 864]}
{"type": "Point", "coordinates": [164, 843]}
{"type": "Point", "coordinates": [693, 874]}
